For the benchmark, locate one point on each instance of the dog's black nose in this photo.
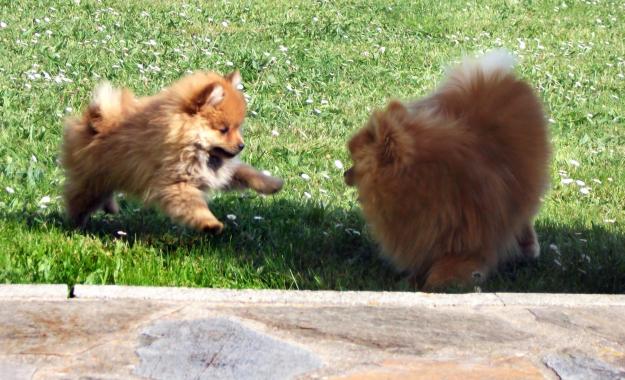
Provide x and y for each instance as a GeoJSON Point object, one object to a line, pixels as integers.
{"type": "Point", "coordinates": [241, 146]}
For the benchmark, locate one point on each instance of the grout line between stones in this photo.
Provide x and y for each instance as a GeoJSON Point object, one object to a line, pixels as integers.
{"type": "Point", "coordinates": [503, 303]}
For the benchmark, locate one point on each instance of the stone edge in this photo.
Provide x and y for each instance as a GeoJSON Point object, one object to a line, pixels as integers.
{"type": "Point", "coordinates": [304, 297]}
{"type": "Point", "coordinates": [51, 292]}
{"type": "Point", "coordinates": [555, 299]}
{"type": "Point", "coordinates": [284, 297]}
{"type": "Point", "coordinates": [343, 298]}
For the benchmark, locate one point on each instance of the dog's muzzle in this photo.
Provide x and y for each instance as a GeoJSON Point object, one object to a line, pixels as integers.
{"type": "Point", "coordinates": [223, 153]}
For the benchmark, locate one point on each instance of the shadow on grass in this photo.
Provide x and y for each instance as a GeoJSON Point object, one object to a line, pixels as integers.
{"type": "Point", "coordinates": [288, 244]}
{"type": "Point", "coordinates": [574, 259]}
{"type": "Point", "coordinates": [292, 244]}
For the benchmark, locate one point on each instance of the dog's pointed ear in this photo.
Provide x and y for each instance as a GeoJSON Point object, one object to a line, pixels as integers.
{"type": "Point", "coordinates": [235, 79]}
{"type": "Point", "coordinates": [390, 133]}
{"type": "Point", "coordinates": [211, 96]}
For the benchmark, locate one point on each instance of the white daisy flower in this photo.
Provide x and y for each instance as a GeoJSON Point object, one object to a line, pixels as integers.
{"type": "Point", "coordinates": [557, 262]}
{"type": "Point", "coordinates": [521, 44]}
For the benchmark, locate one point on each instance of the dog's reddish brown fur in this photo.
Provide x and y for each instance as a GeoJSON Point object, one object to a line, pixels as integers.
{"type": "Point", "coordinates": [450, 183]}
{"type": "Point", "coordinates": [167, 149]}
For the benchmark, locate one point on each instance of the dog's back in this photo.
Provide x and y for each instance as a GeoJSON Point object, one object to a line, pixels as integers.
{"type": "Point", "coordinates": [506, 118]}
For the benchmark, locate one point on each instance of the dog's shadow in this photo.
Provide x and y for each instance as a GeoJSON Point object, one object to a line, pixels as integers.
{"type": "Point", "coordinates": [321, 247]}
{"type": "Point", "coordinates": [575, 258]}
{"type": "Point", "coordinates": [305, 244]}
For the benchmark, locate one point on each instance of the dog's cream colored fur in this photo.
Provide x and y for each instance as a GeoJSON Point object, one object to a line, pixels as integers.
{"type": "Point", "coordinates": [167, 149]}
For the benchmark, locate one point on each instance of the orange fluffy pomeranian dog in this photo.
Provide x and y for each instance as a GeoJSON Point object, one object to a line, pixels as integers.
{"type": "Point", "coordinates": [167, 149]}
{"type": "Point", "coordinates": [450, 184]}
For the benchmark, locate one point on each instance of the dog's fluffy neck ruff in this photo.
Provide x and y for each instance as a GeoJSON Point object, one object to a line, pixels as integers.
{"type": "Point", "coordinates": [214, 162]}
{"type": "Point", "coordinates": [214, 172]}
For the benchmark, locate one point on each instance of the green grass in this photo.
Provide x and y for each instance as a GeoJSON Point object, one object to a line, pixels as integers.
{"type": "Point", "coordinates": [348, 57]}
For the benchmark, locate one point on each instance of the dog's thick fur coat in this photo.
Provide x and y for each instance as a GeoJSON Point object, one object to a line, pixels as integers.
{"type": "Point", "coordinates": [167, 150]}
{"type": "Point", "coordinates": [450, 183]}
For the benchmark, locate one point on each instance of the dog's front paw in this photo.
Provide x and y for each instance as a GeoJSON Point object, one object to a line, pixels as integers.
{"type": "Point", "coordinates": [212, 226]}
{"type": "Point", "coordinates": [270, 185]}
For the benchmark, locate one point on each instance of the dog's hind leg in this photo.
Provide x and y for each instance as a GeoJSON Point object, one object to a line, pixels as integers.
{"type": "Point", "coordinates": [81, 201]}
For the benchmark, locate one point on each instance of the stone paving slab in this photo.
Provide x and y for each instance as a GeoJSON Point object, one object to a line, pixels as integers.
{"type": "Point", "coordinates": [128, 333]}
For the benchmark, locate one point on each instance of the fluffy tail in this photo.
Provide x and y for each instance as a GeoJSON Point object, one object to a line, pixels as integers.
{"type": "Point", "coordinates": [108, 107]}
{"type": "Point", "coordinates": [485, 92]}
{"type": "Point", "coordinates": [500, 110]}
{"type": "Point", "coordinates": [496, 108]}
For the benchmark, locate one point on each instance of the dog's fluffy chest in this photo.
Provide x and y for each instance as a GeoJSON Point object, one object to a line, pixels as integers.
{"type": "Point", "coordinates": [208, 172]}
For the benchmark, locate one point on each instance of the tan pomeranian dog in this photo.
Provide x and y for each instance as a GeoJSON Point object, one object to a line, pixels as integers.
{"type": "Point", "coordinates": [167, 149]}
{"type": "Point", "coordinates": [450, 183]}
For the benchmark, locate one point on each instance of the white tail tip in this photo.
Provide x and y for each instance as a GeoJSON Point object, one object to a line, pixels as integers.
{"type": "Point", "coordinates": [107, 97]}
{"type": "Point", "coordinates": [497, 60]}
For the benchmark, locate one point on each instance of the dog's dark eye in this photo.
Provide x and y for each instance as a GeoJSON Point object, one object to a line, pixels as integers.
{"type": "Point", "coordinates": [224, 130]}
